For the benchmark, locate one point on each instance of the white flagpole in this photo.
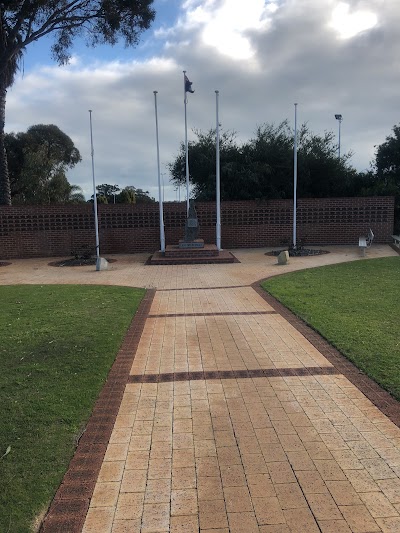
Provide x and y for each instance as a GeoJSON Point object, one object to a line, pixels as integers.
{"type": "Point", "coordinates": [160, 196]}
{"type": "Point", "coordinates": [186, 145]}
{"type": "Point", "coordinates": [96, 220]}
{"type": "Point", "coordinates": [217, 173]}
{"type": "Point", "coordinates": [295, 179]}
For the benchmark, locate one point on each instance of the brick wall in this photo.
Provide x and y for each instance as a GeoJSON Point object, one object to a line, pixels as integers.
{"type": "Point", "coordinates": [57, 230]}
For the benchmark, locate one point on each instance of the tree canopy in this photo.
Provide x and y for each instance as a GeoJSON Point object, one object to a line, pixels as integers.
{"type": "Point", "coordinates": [109, 194]}
{"type": "Point", "coordinates": [23, 22]}
{"type": "Point", "coordinates": [387, 159]}
{"type": "Point", "coordinates": [108, 191]}
{"type": "Point", "coordinates": [38, 161]}
{"type": "Point", "coordinates": [262, 167]}
{"type": "Point", "coordinates": [384, 178]}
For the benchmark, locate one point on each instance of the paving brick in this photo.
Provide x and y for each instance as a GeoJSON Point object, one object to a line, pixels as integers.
{"type": "Point", "coordinates": [237, 499]}
{"type": "Point", "coordinates": [212, 514]}
{"type": "Point", "coordinates": [138, 460]}
{"type": "Point", "coordinates": [391, 489]}
{"type": "Point", "coordinates": [99, 519]}
{"type": "Point", "coordinates": [134, 481]}
{"type": "Point", "coordinates": [361, 481]}
{"type": "Point", "coordinates": [232, 476]}
{"type": "Point", "coordinates": [378, 505]}
{"type": "Point", "coordinates": [290, 496]}
{"type": "Point", "coordinates": [126, 526]}
{"type": "Point", "coordinates": [242, 521]}
{"type": "Point", "coordinates": [343, 493]}
{"type": "Point", "coordinates": [184, 478]}
{"type": "Point", "coordinates": [111, 471]}
{"type": "Point", "coordinates": [184, 524]}
{"type": "Point", "coordinates": [268, 510]}
{"type": "Point", "coordinates": [155, 517]}
{"type": "Point", "coordinates": [300, 461]}
{"type": "Point", "coordinates": [334, 526]}
{"type": "Point", "coordinates": [129, 506]}
{"type": "Point", "coordinates": [281, 472]}
{"type": "Point", "coordinates": [330, 470]}
{"type": "Point", "coordinates": [390, 524]}
{"type": "Point", "coordinates": [183, 502]}
{"type": "Point", "coordinates": [105, 494]}
{"type": "Point", "coordinates": [323, 507]}
{"type": "Point", "coordinates": [281, 528]}
{"type": "Point", "coordinates": [311, 482]}
{"type": "Point", "coordinates": [300, 520]}
{"type": "Point", "coordinates": [359, 519]}
{"type": "Point", "coordinates": [209, 488]}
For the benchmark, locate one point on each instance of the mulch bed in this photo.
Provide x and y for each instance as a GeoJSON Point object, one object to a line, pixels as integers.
{"type": "Point", "coordinates": [299, 252]}
{"type": "Point", "coordinates": [73, 262]}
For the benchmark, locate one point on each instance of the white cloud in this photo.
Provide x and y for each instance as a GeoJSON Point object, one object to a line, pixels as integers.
{"type": "Point", "coordinates": [348, 23]}
{"type": "Point", "coordinates": [224, 25]}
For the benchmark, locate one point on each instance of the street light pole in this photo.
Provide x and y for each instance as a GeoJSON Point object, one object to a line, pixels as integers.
{"type": "Point", "coordinates": [339, 118]}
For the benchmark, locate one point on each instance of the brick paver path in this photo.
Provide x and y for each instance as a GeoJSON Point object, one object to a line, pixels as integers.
{"type": "Point", "coordinates": [232, 421]}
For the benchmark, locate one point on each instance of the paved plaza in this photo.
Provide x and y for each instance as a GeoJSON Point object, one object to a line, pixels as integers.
{"type": "Point", "coordinates": [228, 418]}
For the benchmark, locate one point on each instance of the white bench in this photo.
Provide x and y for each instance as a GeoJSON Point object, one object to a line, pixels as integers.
{"type": "Point", "coordinates": [365, 242]}
{"type": "Point", "coordinates": [396, 239]}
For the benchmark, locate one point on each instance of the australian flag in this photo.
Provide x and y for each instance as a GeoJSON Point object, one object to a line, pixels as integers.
{"type": "Point", "coordinates": [188, 85]}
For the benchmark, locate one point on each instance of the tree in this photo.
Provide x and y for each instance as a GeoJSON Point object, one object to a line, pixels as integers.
{"type": "Point", "coordinates": [23, 22]}
{"type": "Point", "coordinates": [76, 195]}
{"type": "Point", "coordinates": [202, 164]}
{"type": "Point", "coordinates": [126, 196]}
{"type": "Point", "coordinates": [39, 159]}
{"type": "Point", "coordinates": [141, 196]}
{"type": "Point", "coordinates": [321, 173]}
{"type": "Point", "coordinates": [262, 167]}
{"type": "Point", "coordinates": [384, 178]}
{"type": "Point", "coordinates": [108, 191]}
{"type": "Point", "coordinates": [387, 159]}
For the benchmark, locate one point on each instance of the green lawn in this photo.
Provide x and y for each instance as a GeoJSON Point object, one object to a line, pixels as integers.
{"type": "Point", "coordinates": [355, 306]}
{"type": "Point", "coordinates": [57, 346]}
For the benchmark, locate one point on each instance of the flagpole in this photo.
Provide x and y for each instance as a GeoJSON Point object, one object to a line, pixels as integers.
{"type": "Point", "coordinates": [160, 197]}
{"type": "Point", "coordinates": [186, 145]}
{"type": "Point", "coordinates": [295, 179]}
{"type": "Point", "coordinates": [217, 173]}
{"type": "Point", "coordinates": [96, 220]}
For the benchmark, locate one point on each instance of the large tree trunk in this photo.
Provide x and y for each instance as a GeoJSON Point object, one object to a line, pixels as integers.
{"type": "Point", "coordinates": [5, 191]}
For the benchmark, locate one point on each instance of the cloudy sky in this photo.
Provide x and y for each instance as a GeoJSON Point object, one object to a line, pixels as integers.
{"type": "Point", "coordinates": [329, 56]}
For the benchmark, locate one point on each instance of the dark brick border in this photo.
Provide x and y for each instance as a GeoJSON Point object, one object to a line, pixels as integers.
{"type": "Point", "coordinates": [205, 288]}
{"type": "Point", "coordinates": [376, 394]}
{"type": "Point", "coordinates": [234, 374]}
{"type": "Point", "coordinates": [227, 313]}
{"type": "Point", "coordinates": [68, 510]}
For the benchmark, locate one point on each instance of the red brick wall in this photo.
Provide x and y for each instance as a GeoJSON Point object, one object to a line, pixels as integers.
{"type": "Point", "coordinates": [58, 230]}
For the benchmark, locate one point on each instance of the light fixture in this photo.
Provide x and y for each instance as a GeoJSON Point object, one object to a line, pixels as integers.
{"type": "Point", "coordinates": [339, 118]}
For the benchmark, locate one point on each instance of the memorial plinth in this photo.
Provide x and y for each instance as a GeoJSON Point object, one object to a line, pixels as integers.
{"type": "Point", "coordinates": [174, 255]}
{"type": "Point", "coordinates": [191, 250]}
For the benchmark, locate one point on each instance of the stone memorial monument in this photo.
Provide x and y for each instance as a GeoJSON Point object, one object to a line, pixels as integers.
{"type": "Point", "coordinates": [191, 239]}
{"type": "Point", "coordinates": [191, 250]}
